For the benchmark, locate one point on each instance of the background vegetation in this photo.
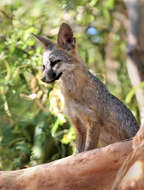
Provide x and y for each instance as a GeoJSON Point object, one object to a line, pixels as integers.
{"type": "Point", "coordinates": [33, 129]}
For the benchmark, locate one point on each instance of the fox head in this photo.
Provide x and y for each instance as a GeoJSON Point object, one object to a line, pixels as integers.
{"type": "Point", "coordinates": [59, 58]}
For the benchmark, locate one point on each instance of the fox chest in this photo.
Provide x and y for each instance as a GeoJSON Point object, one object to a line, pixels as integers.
{"type": "Point", "coordinates": [76, 110]}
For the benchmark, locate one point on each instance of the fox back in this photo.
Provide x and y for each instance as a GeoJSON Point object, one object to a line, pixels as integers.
{"type": "Point", "coordinates": [94, 111]}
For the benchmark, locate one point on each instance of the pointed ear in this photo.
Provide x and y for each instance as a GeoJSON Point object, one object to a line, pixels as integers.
{"type": "Point", "coordinates": [46, 42]}
{"type": "Point", "coordinates": [65, 37]}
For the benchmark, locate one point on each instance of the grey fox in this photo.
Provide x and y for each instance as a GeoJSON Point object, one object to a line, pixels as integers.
{"type": "Point", "coordinates": [94, 111]}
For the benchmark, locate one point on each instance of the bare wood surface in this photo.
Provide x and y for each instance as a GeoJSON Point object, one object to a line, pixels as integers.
{"type": "Point", "coordinates": [92, 170]}
{"type": "Point", "coordinates": [131, 174]}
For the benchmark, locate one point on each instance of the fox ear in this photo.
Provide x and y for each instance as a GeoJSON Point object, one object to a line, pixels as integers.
{"type": "Point", "coordinates": [46, 42]}
{"type": "Point", "coordinates": [65, 37]}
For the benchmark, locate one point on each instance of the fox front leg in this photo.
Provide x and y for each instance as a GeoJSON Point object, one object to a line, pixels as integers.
{"type": "Point", "coordinates": [80, 135]}
{"type": "Point", "coordinates": [92, 136]}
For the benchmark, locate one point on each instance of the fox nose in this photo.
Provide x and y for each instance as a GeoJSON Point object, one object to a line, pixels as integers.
{"type": "Point", "coordinates": [51, 74]}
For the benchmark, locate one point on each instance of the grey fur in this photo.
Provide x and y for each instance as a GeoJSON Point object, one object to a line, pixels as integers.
{"type": "Point", "coordinates": [94, 111]}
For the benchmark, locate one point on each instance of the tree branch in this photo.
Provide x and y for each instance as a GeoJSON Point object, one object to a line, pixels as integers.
{"type": "Point", "coordinates": [90, 170]}
{"type": "Point", "coordinates": [131, 174]}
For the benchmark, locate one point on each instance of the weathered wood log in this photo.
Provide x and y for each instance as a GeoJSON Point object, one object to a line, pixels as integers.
{"type": "Point", "coordinates": [92, 170]}
{"type": "Point", "coordinates": [131, 175]}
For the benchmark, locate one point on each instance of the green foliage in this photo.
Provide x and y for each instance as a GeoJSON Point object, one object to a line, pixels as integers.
{"type": "Point", "coordinates": [133, 92]}
{"type": "Point", "coordinates": [29, 133]}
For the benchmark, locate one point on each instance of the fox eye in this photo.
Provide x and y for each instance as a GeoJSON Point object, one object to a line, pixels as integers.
{"type": "Point", "coordinates": [43, 67]}
{"type": "Point", "coordinates": [53, 63]}
{"type": "Point", "coordinates": [69, 40]}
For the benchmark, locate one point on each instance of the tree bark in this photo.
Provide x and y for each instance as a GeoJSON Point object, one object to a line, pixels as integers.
{"type": "Point", "coordinates": [135, 53]}
{"type": "Point", "coordinates": [131, 174]}
{"type": "Point", "coordinates": [92, 170]}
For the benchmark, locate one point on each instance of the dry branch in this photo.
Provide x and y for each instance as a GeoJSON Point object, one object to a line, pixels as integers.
{"type": "Point", "coordinates": [92, 170]}
{"type": "Point", "coordinates": [131, 175]}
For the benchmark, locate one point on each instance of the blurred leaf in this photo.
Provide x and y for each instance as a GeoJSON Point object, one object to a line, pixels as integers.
{"type": "Point", "coordinates": [133, 92]}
